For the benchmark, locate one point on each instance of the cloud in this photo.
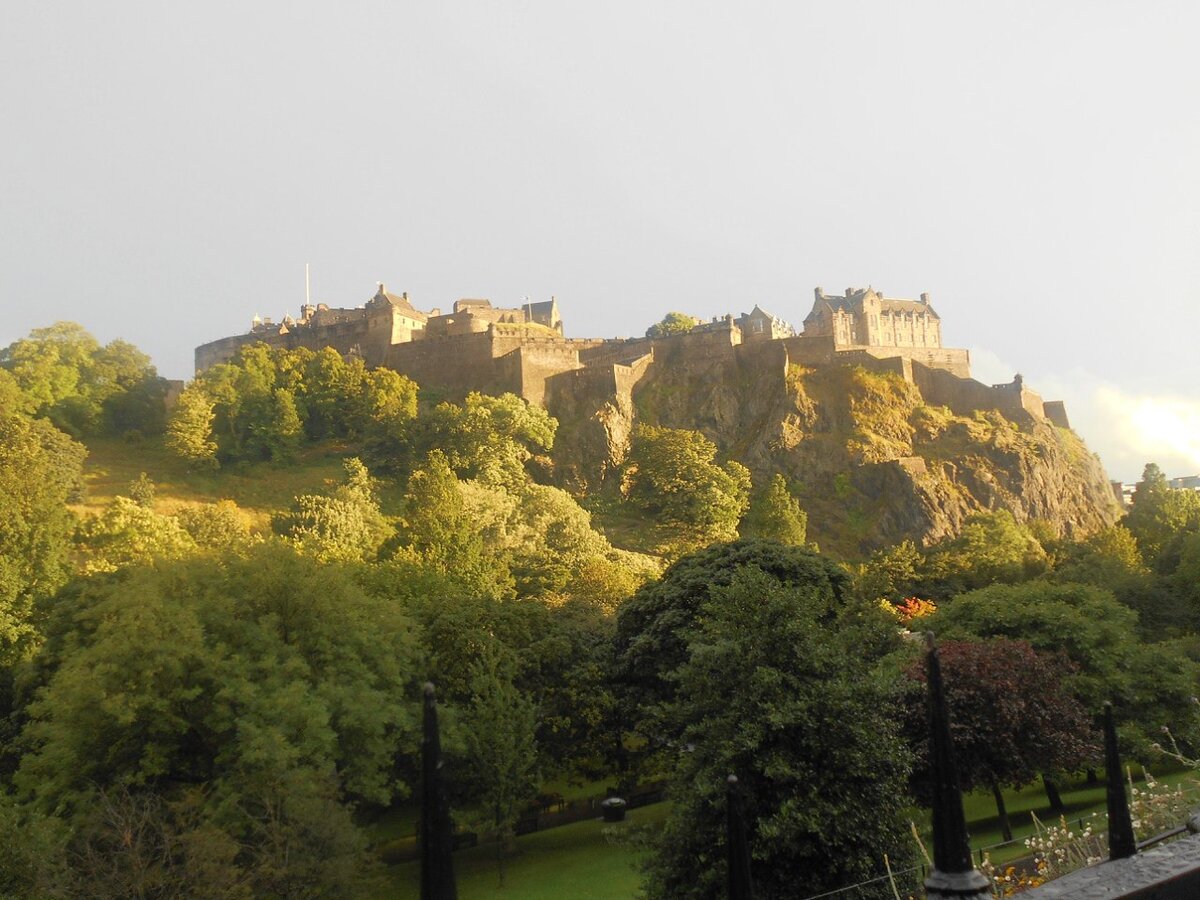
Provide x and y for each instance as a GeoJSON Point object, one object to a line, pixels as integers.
{"type": "Point", "coordinates": [1162, 429]}
{"type": "Point", "coordinates": [1125, 428]}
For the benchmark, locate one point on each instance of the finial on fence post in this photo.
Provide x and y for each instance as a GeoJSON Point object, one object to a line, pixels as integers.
{"type": "Point", "coordinates": [741, 887]}
{"type": "Point", "coordinates": [437, 868]}
{"type": "Point", "coordinates": [1121, 843]}
{"type": "Point", "coordinates": [954, 874]}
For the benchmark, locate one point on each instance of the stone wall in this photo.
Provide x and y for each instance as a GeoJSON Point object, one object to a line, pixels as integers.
{"type": "Point", "coordinates": [1056, 412]}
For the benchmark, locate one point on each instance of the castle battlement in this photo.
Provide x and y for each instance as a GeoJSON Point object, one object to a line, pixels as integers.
{"type": "Point", "coordinates": [522, 349]}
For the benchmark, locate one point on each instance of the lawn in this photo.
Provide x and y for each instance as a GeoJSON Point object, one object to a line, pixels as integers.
{"type": "Point", "coordinates": [574, 861]}
{"type": "Point", "coordinates": [260, 489]}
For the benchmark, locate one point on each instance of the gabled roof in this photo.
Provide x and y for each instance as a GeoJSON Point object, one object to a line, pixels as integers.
{"type": "Point", "coordinates": [852, 302]}
{"type": "Point", "coordinates": [399, 303]}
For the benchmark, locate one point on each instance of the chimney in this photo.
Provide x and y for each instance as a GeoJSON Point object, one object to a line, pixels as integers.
{"type": "Point", "coordinates": [925, 299]}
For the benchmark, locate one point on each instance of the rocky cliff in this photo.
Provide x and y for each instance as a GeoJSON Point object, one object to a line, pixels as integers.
{"type": "Point", "coordinates": [871, 460]}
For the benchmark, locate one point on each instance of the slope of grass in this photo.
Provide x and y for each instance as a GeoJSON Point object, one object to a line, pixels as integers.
{"type": "Point", "coordinates": [259, 488]}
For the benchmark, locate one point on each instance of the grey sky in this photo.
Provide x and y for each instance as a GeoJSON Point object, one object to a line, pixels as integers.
{"type": "Point", "coordinates": [167, 169]}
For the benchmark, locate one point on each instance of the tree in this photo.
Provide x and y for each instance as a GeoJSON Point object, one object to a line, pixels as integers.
{"type": "Point", "coordinates": [992, 547]}
{"type": "Point", "coordinates": [217, 526]}
{"type": "Point", "coordinates": [82, 387]}
{"type": "Point", "coordinates": [775, 515]}
{"type": "Point", "coordinates": [652, 626]}
{"type": "Point", "coordinates": [130, 534]}
{"type": "Point", "coordinates": [438, 529]}
{"type": "Point", "coordinates": [391, 408]}
{"type": "Point", "coordinates": [190, 428]}
{"type": "Point", "coordinates": [1147, 684]}
{"type": "Point", "coordinates": [273, 683]}
{"type": "Point", "coordinates": [488, 438]}
{"type": "Point", "coordinates": [1107, 558]}
{"type": "Point", "coordinates": [286, 429]}
{"type": "Point", "coordinates": [40, 472]}
{"type": "Point", "coordinates": [141, 490]}
{"type": "Point", "coordinates": [776, 692]}
{"type": "Point", "coordinates": [1158, 515]}
{"type": "Point", "coordinates": [892, 573]}
{"type": "Point", "coordinates": [1011, 717]}
{"type": "Point", "coordinates": [672, 474]}
{"type": "Point", "coordinates": [500, 746]}
{"type": "Point", "coordinates": [672, 323]}
{"type": "Point", "coordinates": [346, 525]}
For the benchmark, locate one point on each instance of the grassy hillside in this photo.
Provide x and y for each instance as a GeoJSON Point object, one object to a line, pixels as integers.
{"type": "Point", "coordinates": [259, 488]}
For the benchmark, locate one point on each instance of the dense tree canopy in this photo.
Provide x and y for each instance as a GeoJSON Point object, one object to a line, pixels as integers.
{"type": "Point", "coordinates": [1094, 631]}
{"type": "Point", "coordinates": [273, 684]}
{"type": "Point", "coordinates": [40, 471]}
{"type": "Point", "coordinates": [65, 375]}
{"type": "Point", "coordinates": [776, 690]}
{"type": "Point", "coordinates": [672, 475]}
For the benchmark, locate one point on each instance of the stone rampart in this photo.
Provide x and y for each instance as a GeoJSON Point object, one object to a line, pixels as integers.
{"type": "Point", "coordinates": [811, 350]}
{"type": "Point", "coordinates": [957, 362]}
{"type": "Point", "coordinates": [894, 365]}
{"type": "Point", "coordinates": [963, 396]}
{"type": "Point", "coordinates": [1056, 412]}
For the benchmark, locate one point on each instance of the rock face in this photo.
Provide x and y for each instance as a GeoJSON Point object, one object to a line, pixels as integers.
{"type": "Point", "coordinates": [872, 462]}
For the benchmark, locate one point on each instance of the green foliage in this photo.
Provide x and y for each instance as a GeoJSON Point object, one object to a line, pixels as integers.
{"type": "Point", "coordinates": [273, 682]}
{"type": "Point", "coordinates": [775, 515]}
{"type": "Point", "coordinates": [487, 438]}
{"type": "Point", "coordinates": [285, 430]}
{"type": "Point", "coordinates": [40, 471]}
{"type": "Point", "coordinates": [672, 323]}
{"type": "Point", "coordinates": [501, 749]}
{"type": "Point", "coordinates": [672, 474]}
{"type": "Point", "coordinates": [775, 689]}
{"type": "Point", "coordinates": [1145, 683]}
{"type": "Point", "coordinates": [391, 401]}
{"type": "Point", "coordinates": [130, 534]}
{"type": "Point", "coordinates": [141, 490]}
{"type": "Point", "coordinates": [992, 547]}
{"type": "Point", "coordinates": [190, 428]}
{"type": "Point", "coordinates": [1107, 558]}
{"type": "Point", "coordinates": [265, 402]}
{"type": "Point", "coordinates": [1158, 515]}
{"type": "Point", "coordinates": [440, 531]}
{"type": "Point", "coordinates": [346, 525]}
{"type": "Point", "coordinates": [653, 625]}
{"type": "Point", "coordinates": [892, 574]}
{"type": "Point", "coordinates": [217, 526]}
{"type": "Point", "coordinates": [33, 848]}
{"type": "Point", "coordinates": [85, 389]}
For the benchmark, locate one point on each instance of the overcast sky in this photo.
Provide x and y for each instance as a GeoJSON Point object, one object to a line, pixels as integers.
{"type": "Point", "coordinates": [167, 169]}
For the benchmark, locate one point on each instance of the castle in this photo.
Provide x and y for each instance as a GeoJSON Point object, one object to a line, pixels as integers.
{"type": "Point", "coordinates": [480, 347]}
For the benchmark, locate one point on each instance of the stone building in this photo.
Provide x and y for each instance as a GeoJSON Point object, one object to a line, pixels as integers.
{"type": "Point", "coordinates": [865, 318]}
{"type": "Point", "coordinates": [481, 347]}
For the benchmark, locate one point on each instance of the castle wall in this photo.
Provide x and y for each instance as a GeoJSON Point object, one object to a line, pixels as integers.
{"type": "Point", "coordinates": [964, 396]}
{"type": "Point", "coordinates": [893, 365]}
{"type": "Point", "coordinates": [769, 357]}
{"type": "Point", "coordinates": [811, 350]}
{"type": "Point", "coordinates": [1056, 412]}
{"type": "Point", "coordinates": [957, 362]}
{"type": "Point", "coordinates": [455, 365]}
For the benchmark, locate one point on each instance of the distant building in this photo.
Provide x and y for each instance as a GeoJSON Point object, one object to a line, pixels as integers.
{"type": "Point", "coordinates": [480, 347]}
{"type": "Point", "coordinates": [866, 318]}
